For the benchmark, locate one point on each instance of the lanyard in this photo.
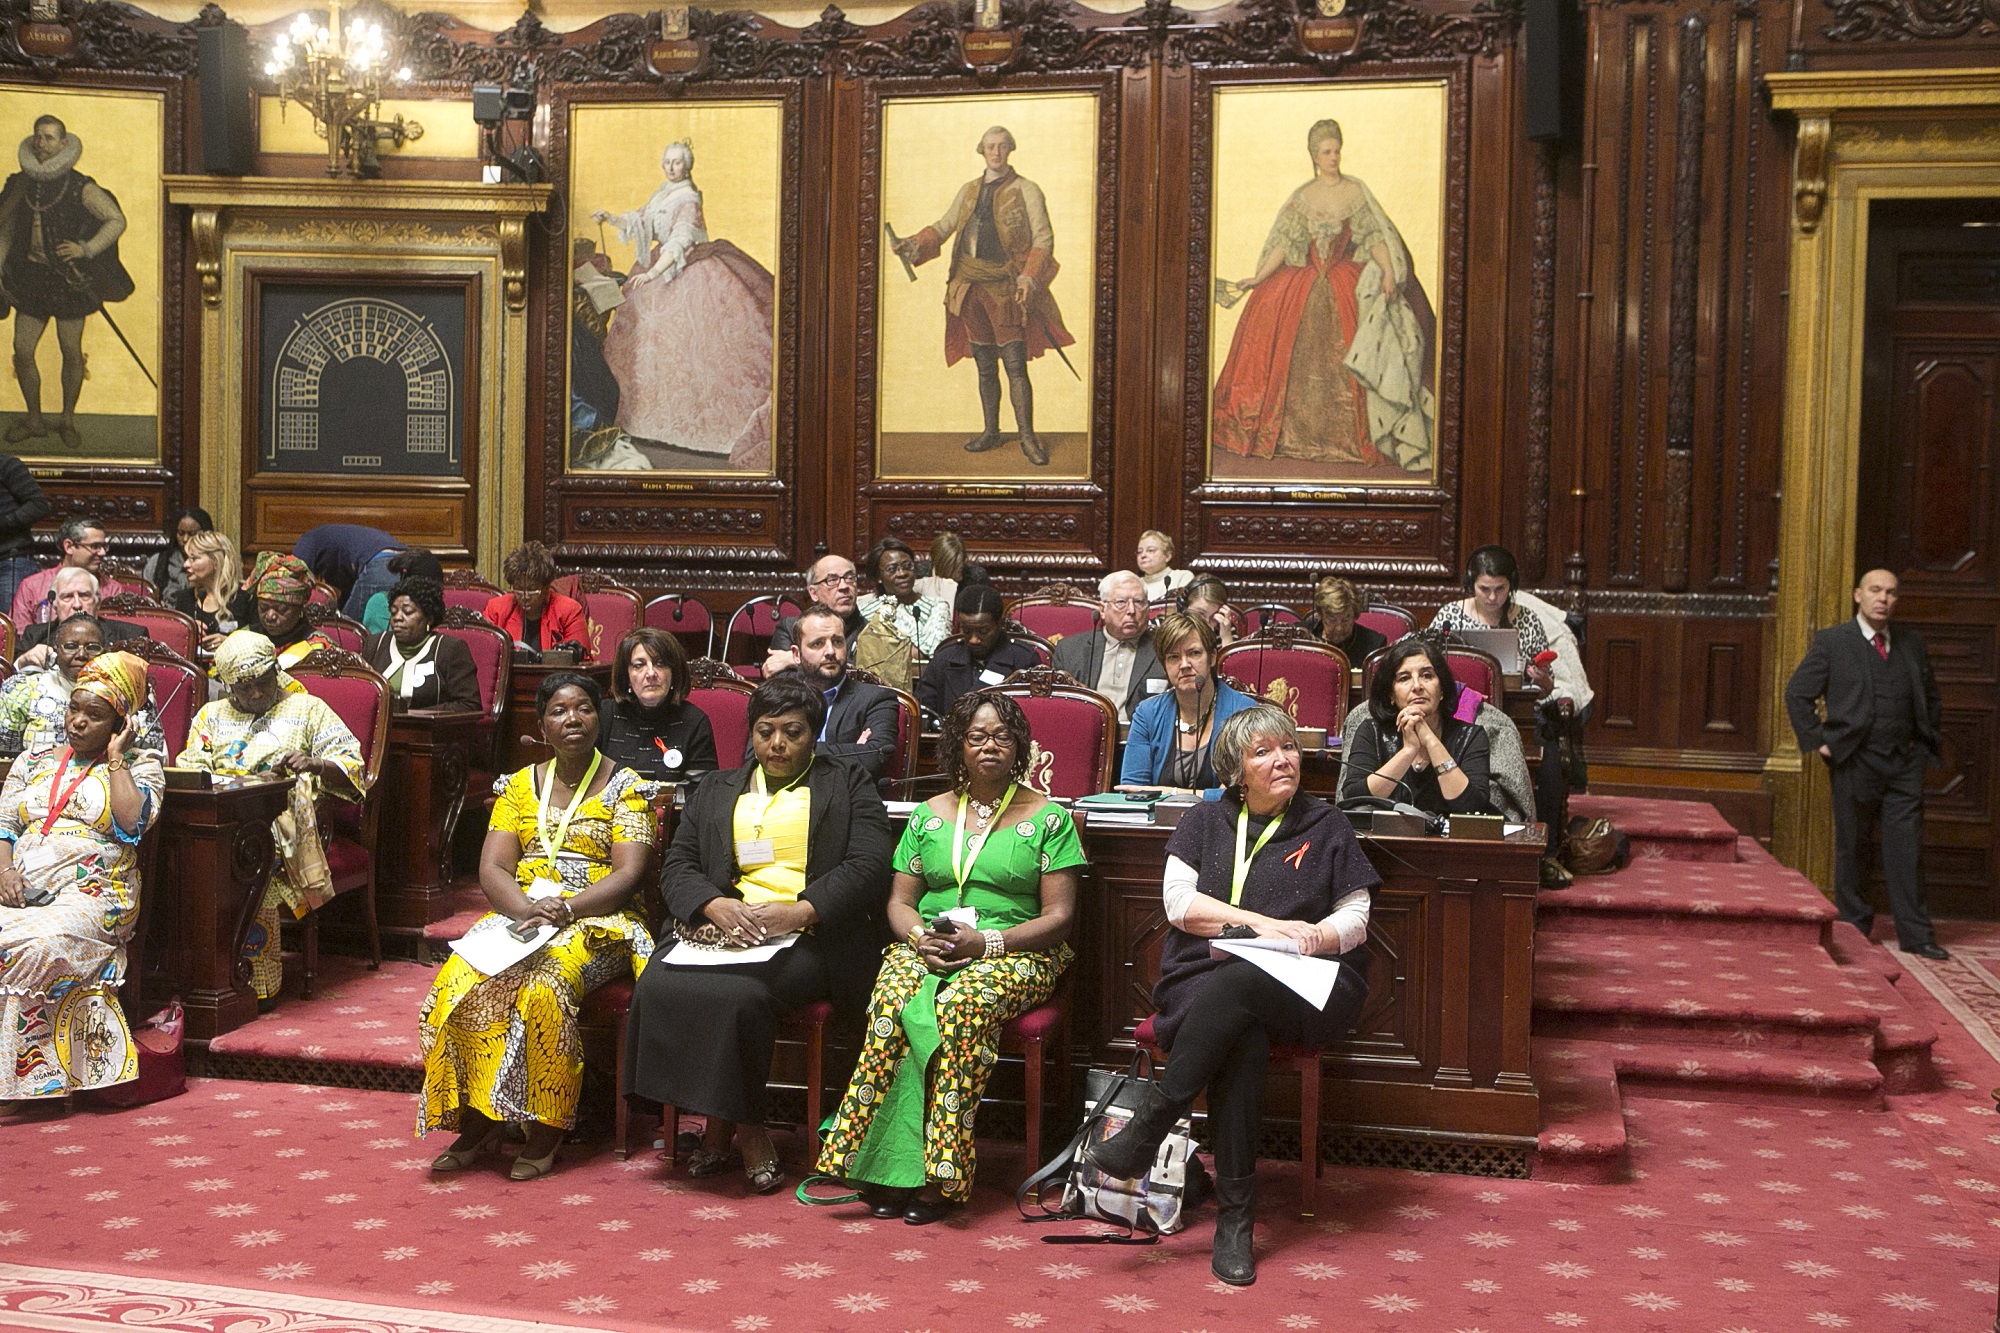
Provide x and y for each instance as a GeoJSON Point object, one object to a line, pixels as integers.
{"type": "Point", "coordinates": [1241, 871]}
{"type": "Point", "coordinates": [964, 858]}
{"type": "Point", "coordinates": [552, 848]}
{"type": "Point", "coordinates": [57, 800]}
{"type": "Point", "coordinates": [771, 797]}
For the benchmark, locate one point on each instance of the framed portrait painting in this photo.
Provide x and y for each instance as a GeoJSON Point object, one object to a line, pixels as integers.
{"type": "Point", "coordinates": [81, 239]}
{"type": "Point", "coordinates": [986, 283]}
{"type": "Point", "coordinates": [1327, 264]}
{"type": "Point", "coordinates": [675, 216]}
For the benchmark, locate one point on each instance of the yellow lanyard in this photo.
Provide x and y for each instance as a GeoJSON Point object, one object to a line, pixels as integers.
{"type": "Point", "coordinates": [1241, 870]}
{"type": "Point", "coordinates": [962, 871]}
{"type": "Point", "coordinates": [552, 848]}
{"type": "Point", "coordinates": [771, 797]}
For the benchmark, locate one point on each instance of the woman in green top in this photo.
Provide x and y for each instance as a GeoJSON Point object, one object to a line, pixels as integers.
{"type": "Point", "coordinates": [1003, 863]}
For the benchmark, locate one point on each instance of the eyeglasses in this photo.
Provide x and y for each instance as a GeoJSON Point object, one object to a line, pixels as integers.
{"type": "Point", "coordinates": [978, 740]}
{"type": "Point", "coordinates": [99, 546]}
{"type": "Point", "coordinates": [848, 580]}
{"type": "Point", "coordinates": [1128, 603]}
{"type": "Point", "coordinates": [897, 566]}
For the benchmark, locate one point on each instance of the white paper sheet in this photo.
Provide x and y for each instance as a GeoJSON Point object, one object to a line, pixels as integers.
{"type": "Point", "coordinates": [684, 954]}
{"type": "Point", "coordinates": [488, 946]}
{"type": "Point", "coordinates": [1310, 978]}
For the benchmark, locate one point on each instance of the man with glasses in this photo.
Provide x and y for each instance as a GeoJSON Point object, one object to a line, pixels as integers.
{"type": "Point", "coordinates": [860, 718]}
{"type": "Point", "coordinates": [74, 593]}
{"type": "Point", "coordinates": [1116, 659]}
{"type": "Point", "coordinates": [832, 583]}
{"type": "Point", "coordinates": [83, 547]}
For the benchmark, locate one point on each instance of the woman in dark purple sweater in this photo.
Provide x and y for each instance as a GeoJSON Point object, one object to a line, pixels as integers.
{"type": "Point", "coordinates": [1280, 865]}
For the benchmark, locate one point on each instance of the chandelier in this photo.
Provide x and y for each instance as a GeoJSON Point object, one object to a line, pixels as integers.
{"type": "Point", "coordinates": [338, 76]}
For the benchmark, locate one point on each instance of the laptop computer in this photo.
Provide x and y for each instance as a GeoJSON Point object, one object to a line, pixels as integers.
{"type": "Point", "coordinates": [1504, 644]}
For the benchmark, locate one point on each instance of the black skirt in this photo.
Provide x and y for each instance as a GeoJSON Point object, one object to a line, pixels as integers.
{"type": "Point", "coordinates": [700, 1038]}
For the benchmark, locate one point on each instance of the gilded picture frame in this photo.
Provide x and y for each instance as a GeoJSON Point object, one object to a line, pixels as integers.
{"type": "Point", "coordinates": [676, 288]}
{"type": "Point", "coordinates": [1328, 263]}
{"type": "Point", "coordinates": [85, 296]}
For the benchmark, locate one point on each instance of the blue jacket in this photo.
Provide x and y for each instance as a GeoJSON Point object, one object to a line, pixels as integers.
{"type": "Point", "coordinates": [1153, 734]}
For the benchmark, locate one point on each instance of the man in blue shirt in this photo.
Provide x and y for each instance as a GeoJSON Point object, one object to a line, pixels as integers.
{"type": "Point", "coordinates": [353, 558]}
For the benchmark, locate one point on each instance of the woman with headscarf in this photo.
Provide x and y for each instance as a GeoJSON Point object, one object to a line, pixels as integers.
{"type": "Point", "coordinates": [267, 723]}
{"type": "Point", "coordinates": [282, 586]}
{"type": "Point", "coordinates": [71, 817]}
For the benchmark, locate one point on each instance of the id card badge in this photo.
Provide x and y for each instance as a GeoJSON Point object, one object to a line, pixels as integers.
{"type": "Point", "coordinates": [990, 677]}
{"type": "Point", "coordinates": [422, 672]}
{"type": "Point", "coordinates": [544, 888]}
{"type": "Point", "coordinates": [754, 852]}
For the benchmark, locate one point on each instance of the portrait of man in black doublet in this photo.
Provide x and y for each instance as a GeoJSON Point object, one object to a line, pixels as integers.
{"type": "Point", "coordinates": [59, 233]}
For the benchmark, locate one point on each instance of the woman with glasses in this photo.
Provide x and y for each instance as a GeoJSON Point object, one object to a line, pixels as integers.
{"type": "Point", "coordinates": [982, 900]}
{"type": "Point", "coordinates": [924, 621]}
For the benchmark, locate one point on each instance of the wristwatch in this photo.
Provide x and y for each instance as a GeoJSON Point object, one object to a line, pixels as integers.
{"type": "Point", "coordinates": [1447, 766]}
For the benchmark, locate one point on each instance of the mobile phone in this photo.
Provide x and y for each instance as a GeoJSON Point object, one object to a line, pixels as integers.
{"type": "Point", "coordinates": [525, 930]}
{"type": "Point", "coordinates": [943, 925]}
{"type": "Point", "coordinates": [1544, 657]}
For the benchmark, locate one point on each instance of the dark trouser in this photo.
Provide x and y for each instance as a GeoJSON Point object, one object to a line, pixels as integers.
{"type": "Point", "coordinates": [1891, 784]}
{"type": "Point", "coordinates": [700, 1038]}
{"type": "Point", "coordinates": [1225, 1039]}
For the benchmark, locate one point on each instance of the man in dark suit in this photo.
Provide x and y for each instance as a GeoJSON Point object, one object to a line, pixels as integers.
{"type": "Point", "coordinates": [1879, 732]}
{"type": "Point", "coordinates": [74, 592]}
{"type": "Point", "coordinates": [860, 718]}
{"type": "Point", "coordinates": [1116, 659]}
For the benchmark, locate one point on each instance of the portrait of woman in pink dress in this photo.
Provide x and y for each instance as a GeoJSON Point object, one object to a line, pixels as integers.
{"type": "Point", "coordinates": [691, 343]}
{"type": "Point", "coordinates": [1331, 362]}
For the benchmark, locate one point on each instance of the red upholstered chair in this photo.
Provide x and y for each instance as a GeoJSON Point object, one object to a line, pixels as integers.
{"type": "Point", "coordinates": [1022, 634]}
{"type": "Point", "coordinates": [1075, 730]}
{"type": "Point", "coordinates": [350, 636]}
{"type": "Point", "coordinates": [323, 594]}
{"type": "Point", "coordinates": [1392, 622]}
{"type": "Point", "coordinates": [464, 587]}
{"type": "Point", "coordinates": [177, 689]}
{"type": "Point", "coordinates": [1478, 670]}
{"type": "Point", "coordinates": [361, 699]}
{"type": "Point", "coordinates": [114, 578]}
{"type": "Point", "coordinates": [909, 725]}
{"type": "Point", "coordinates": [612, 607]}
{"type": "Point", "coordinates": [7, 636]}
{"type": "Point", "coordinates": [687, 619]}
{"type": "Point", "coordinates": [1261, 617]}
{"type": "Point", "coordinates": [1159, 608]}
{"type": "Point", "coordinates": [748, 636]}
{"type": "Point", "coordinates": [1039, 1036]}
{"type": "Point", "coordinates": [1305, 1061]}
{"type": "Point", "coordinates": [1055, 611]}
{"type": "Point", "coordinates": [492, 661]}
{"type": "Point", "coordinates": [724, 697]}
{"type": "Point", "coordinates": [179, 632]}
{"type": "Point", "coordinates": [1285, 665]}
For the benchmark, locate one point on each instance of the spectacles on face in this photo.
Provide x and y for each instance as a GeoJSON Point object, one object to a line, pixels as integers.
{"type": "Point", "coordinates": [1127, 603]}
{"type": "Point", "coordinates": [847, 580]}
{"type": "Point", "coordinates": [99, 546]}
{"type": "Point", "coordinates": [898, 566]}
{"type": "Point", "coordinates": [979, 740]}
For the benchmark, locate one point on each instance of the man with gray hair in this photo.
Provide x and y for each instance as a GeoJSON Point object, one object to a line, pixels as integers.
{"type": "Point", "coordinates": [1116, 659]}
{"type": "Point", "coordinates": [997, 304]}
{"type": "Point", "coordinates": [83, 546]}
{"type": "Point", "coordinates": [831, 582]}
{"type": "Point", "coordinates": [73, 591]}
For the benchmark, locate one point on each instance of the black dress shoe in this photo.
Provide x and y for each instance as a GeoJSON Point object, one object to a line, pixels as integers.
{"type": "Point", "coordinates": [922, 1212]}
{"type": "Point", "coordinates": [885, 1201]}
{"type": "Point", "coordinates": [1930, 951]}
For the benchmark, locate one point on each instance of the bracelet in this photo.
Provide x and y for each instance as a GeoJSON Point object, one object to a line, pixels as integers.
{"type": "Point", "coordinates": [996, 943]}
{"type": "Point", "coordinates": [1446, 766]}
{"type": "Point", "coordinates": [914, 937]}
{"type": "Point", "coordinates": [116, 766]}
{"type": "Point", "coordinates": [569, 913]}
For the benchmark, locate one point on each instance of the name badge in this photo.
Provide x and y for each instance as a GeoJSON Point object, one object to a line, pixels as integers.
{"type": "Point", "coordinates": [754, 852]}
{"type": "Point", "coordinates": [990, 677]}
{"type": "Point", "coordinates": [1156, 687]}
{"type": "Point", "coordinates": [674, 757]}
{"type": "Point", "coordinates": [422, 672]}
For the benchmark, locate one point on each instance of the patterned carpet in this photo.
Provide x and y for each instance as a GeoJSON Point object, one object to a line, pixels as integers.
{"type": "Point", "coordinates": [1968, 986]}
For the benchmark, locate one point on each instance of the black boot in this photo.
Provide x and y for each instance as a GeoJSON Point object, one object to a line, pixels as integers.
{"type": "Point", "coordinates": [987, 359]}
{"type": "Point", "coordinates": [1015, 357]}
{"type": "Point", "coordinates": [1235, 1218]}
{"type": "Point", "coordinates": [1129, 1153]}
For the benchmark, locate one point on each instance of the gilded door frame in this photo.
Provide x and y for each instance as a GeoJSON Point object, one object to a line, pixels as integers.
{"type": "Point", "coordinates": [1862, 135]}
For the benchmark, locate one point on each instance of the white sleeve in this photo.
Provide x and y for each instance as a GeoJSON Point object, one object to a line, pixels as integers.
{"type": "Point", "coordinates": [1178, 891]}
{"type": "Point", "coordinates": [1348, 920]}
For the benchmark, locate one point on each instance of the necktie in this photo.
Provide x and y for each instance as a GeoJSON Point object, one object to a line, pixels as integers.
{"type": "Point", "coordinates": [1882, 646]}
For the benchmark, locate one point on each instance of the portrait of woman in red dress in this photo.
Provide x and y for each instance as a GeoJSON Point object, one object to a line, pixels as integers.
{"type": "Point", "coordinates": [1331, 362]}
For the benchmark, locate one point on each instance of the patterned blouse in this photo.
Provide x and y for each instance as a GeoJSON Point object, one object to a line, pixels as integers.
{"type": "Point", "coordinates": [926, 622]}
{"type": "Point", "coordinates": [1534, 639]}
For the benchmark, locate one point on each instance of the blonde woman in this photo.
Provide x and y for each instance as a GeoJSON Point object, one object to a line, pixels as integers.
{"type": "Point", "coordinates": [214, 594]}
{"type": "Point", "coordinates": [1155, 564]}
{"type": "Point", "coordinates": [947, 567]}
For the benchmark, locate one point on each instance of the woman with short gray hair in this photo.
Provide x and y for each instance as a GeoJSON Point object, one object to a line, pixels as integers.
{"type": "Point", "coordinates": [1266, 861]}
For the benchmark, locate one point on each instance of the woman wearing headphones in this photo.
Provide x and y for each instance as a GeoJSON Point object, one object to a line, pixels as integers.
{"type": "Point", "coordinates": [1491, 576]}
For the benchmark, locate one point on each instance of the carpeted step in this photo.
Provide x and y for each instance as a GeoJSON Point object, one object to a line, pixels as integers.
{"type": "Point", "coordinates": [1904, 1037]}
{"type": "Point", "coordinates": [1849, 946]}
{"type": "Point", "coordinates": [468, 904]}
{"type": "Point", "coordinates": [1749, 851]}
{"type": "Point", "coordinates": [1750, 1074]}
{"type": "Point", "coordinates": [1583, 1126]}
{"type": "Point", "coordinates": [1663, 830]}
{"type": "Point", "coordinates": [1691, 898]}
{"type": "Point", "coordinates": [360, 1030]}
{"type": "Point", "coordinates": [1719, 991]}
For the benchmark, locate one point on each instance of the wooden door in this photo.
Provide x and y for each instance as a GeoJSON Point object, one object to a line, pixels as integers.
{"type": "Point", "coordinates": [1928, 499]}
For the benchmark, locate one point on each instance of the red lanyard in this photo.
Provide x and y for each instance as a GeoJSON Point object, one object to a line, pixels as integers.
{"type": "Point", "coordinates": [59, 798]}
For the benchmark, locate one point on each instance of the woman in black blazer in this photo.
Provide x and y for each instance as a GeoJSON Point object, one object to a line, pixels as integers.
{"type": "Point", "coordinates": [788, 847]}
{"type": "Point", "coordinates": [425, 669]}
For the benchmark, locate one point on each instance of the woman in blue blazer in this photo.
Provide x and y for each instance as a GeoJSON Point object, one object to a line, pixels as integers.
{"type": "Point", "coordinates": [1172, 732]}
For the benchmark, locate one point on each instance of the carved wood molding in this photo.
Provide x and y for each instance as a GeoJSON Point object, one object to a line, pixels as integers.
{"type": "Point", "coordinates": [107, 36]}
{"type": "Point", "coordinates": [1541, 364]}
{"type": "Point", "coordinates": [1684, 294]}
{"type": "Point", "coordinates": [1910, 20]}
{"type": "Point", "coordinates": [705, 673]}
{"type": "Point", "coordinates": [1264, 32]}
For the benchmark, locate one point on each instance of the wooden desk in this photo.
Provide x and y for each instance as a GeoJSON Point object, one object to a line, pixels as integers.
{"type": "Point", "coordinates": [1441, 1049]}
{"type": "Point", "coordinates": [423, 792]}
{"type": "Point", "coordinates": [519, 718]}
{"type": "Point", "coordinates": [215, 861]}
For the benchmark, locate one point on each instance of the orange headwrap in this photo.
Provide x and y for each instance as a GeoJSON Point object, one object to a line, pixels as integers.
{"type": "Point", "coordinates": [117, 678]}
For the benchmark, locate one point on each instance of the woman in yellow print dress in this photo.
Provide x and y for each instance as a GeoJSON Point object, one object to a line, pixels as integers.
{"type": "Point", "coordinates": [1004, 852]}
{"type": "Point", "coordinates": [71, 817]}
{"type": "Point", "coordinates": [566, 847]}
